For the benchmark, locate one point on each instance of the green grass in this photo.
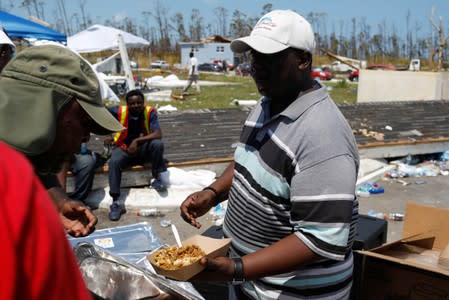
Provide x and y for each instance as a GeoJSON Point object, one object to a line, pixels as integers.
{"type": "Point", "coordinates": [343, 92]}
{"type": "Point", "coordinates": [242, 88]}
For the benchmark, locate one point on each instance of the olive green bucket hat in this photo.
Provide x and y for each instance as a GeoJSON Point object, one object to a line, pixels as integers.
{"type": "Point", "coordinates": [35, 85]}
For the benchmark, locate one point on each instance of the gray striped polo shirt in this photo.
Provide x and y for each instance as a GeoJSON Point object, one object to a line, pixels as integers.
{"type": "Point", "coordinates": [296, 173]}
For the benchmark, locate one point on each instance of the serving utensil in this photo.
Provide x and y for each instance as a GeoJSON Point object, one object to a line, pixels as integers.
{"type": "Point", "coordinates": [176, 234]}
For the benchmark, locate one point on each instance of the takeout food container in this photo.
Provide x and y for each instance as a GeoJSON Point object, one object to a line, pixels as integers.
{"type": "Point", "coordinates": [212, 248]}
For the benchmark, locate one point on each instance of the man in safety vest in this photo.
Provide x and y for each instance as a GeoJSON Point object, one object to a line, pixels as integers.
{"type": "Point", "coordinates": [139, 143]}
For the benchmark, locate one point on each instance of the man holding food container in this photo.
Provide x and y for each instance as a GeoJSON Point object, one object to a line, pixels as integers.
{"type": "Point", "coordinates": [292, 206]}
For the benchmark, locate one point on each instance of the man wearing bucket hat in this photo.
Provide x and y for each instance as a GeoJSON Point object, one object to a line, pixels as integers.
{"type": "Point", "coordinates": [292, 206]}
{"type": "Point", "coordinates": [49, 102]}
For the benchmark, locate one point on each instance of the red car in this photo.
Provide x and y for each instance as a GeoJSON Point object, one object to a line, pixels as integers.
{"type": "Point", "coordinates": [319, 73]}
{"type": "Point", "coordinates": [354, 75]}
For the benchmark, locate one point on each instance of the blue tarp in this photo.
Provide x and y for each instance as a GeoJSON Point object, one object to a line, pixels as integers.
{"type": "Point", "coordinates": [18, 27]}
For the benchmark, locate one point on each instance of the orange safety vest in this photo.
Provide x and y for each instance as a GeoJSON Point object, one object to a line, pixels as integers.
{"type": "Point", "coordinates": [123, 113]}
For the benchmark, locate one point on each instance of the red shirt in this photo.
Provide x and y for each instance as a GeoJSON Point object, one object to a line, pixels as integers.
{"type": "Point", "coordinates": [36, 260]}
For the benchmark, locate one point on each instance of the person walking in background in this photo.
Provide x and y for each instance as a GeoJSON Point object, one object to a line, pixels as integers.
{"type": "Point", "coordinates": [225, 66]}
{"type": "Point", "coordinates": [37, 260]}
{"type": "Point", "coordinates": [292, 206]}
{"type": "Point", "coordinates": [50, 101]}
{"type": "Point", "coordinates": [193, 73]}
{"type": "Point", "coordinates": [141, 142]}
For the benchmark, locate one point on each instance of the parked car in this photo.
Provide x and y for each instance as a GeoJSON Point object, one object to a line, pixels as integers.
{"type": "Point", "coordinates": [210, 67]}
{"type": "Point", "coordinates": [159, 64]}
{"type": "Point", "coordinates": [354, 75]}
{"type": "Point", "coordinates": [219, 62]}
{"type": "Point", "coordinates": [319, 73]}
{"type": "Point", "coordinates": [339, 67]}
{"type": "Point", "coordinates": [243, 69]}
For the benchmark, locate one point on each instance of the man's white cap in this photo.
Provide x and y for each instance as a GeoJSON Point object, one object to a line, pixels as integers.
{"type": "Point", "coordinates": [277, 31]}
{"type": "Point", "coordinates": [4, 39]}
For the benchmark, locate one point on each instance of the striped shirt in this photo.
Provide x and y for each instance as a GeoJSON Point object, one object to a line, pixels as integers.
{"type": "Point", "coordinates": [296, 173]}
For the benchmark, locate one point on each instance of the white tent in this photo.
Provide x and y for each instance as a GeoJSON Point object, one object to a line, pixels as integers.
{"type": "Point", "coordinates": [99, 38]}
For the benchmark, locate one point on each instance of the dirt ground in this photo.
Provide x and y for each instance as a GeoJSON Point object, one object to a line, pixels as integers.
{"type": "Point", "coordinates": [431, 191]}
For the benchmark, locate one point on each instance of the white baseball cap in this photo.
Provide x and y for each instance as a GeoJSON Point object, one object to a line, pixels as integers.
{"type": "Point", "coordinates": [277, 31]}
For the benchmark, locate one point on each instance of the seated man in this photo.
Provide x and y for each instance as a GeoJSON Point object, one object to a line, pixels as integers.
{"type": "Point", "coordinates": [82, 166]}
{"type": "Point", "coordinates": [138, 144]}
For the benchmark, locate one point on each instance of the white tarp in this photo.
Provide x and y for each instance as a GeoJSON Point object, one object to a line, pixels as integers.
{"type": "Point", "coordinates": [99, 38]}
{"type": "Point", "coordinates": [181, 184]}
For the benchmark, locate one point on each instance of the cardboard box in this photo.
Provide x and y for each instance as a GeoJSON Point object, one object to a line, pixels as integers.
{"type": "Point", "coordinates": [212, 248]}
{"type": "Point", "coordinates": [408, 268]}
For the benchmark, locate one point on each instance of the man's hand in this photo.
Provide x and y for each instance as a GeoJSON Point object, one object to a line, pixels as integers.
{"type": "Point", "coordinates": [217, 269]}
{"type": "Point", "coordinates": [108, 140]}
{"type": "Point", "coordinates": [133, 146]}
{"type": "Point", "coordinates": [77, 219]}
{"type": "Point", "coordinates": [196, 205]}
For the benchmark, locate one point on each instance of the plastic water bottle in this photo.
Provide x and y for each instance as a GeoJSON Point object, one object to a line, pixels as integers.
{"type": "Point", "coordinates": [149, 212]}
{"type": "Point", "coordinates": [106, 152]}
{"type": "Point", "coordinates": [375, 214]}
{"type": "Point", "coordinates": [396, 216]}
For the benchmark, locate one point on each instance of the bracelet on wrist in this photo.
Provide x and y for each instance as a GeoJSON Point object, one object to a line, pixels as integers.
{"type": "Point", "coordinates": [238, 276]}
{"type": "Point", "coordinates": [217, 195]}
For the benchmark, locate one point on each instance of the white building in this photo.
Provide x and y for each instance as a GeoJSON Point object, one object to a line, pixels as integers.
{"type": "Point", "coordinates": [209, 49]}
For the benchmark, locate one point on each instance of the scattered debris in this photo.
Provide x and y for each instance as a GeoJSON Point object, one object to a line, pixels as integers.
{"type": "Point", "coordinates": [367, 189]}
{"type": "Point", "coordinates": [376, 135]}
{"type": "Point", "coordinates": [386, 216]}
{"type": "Point", "coordinates": [413, 132]}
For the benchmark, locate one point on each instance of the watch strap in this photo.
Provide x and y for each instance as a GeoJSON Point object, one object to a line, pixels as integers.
{"type": "Point", "coordinates": [238, 276]}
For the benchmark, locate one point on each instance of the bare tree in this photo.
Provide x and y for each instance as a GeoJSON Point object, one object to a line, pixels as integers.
{"type": "Point", "coordinates": [27, 4]}
{"type": "Point", "coordinates": [85, 20]}
{"type": "Point", "coordinates": [178, 21]}
{"type": "Point", "coordinates": [241, 24]}
{"type": "Point", "coordinates": [64, 17]}
{"type": "Point", "coordinates": [442, 41]}
{"type": "Point", "coordinates": [145, 30]}
{"type": "Point", "coordinates": [266, 8]}
{"type": "Point", "coordinates": [363, 39]}
{"type": "Point", "coordinates": [160, 16]}
{"type": "Point", "coordinates": [6, 7]}
{"type": "Point", "coordinates": [196, 25]}
{"type": "Point", "coordinates": [222, 19]}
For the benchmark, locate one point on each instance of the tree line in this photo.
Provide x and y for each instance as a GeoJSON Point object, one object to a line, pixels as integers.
{"type": "Point", "coordinates": [352, 37]}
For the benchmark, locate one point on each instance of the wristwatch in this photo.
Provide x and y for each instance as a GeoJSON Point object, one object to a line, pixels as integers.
{"type": "Point", "coordinates": [238, 277]}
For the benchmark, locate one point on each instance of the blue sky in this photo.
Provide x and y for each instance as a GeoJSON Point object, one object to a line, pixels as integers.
{"type": "Point", "coordinates": [390, 12]}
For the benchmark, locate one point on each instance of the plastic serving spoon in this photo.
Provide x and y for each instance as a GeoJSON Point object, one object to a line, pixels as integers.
{"type": "Point", "coordinates": [176, 234]}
